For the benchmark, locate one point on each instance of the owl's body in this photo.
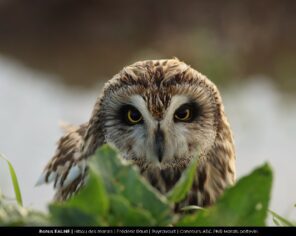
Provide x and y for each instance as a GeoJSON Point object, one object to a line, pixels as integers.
{"type": "Point", "coordinates": [159, 114]}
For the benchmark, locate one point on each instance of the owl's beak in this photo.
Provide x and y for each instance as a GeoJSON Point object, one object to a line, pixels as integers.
{"type": "Point", "coordinates": [159, 143]}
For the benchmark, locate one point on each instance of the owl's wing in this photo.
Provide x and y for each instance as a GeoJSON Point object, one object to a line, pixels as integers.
{"type": "Point", "coordinates": [66, 169]}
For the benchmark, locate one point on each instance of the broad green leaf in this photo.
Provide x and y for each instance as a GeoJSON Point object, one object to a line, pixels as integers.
{"type": "Point", "coordinates": [180, 190]}
{"type": "Point", "coordinates": [106, 162]}
{"type": "Point", "coordinates": [123, 214]}
{"type": "Point", "coordinates": [93, 197]}
{"type": "Point", "coordinates": [141, 194]}
{"type": "Point", "coordinates": [244, 204]}
{"type": "Point", "coordinates": [124, 179]}
{"type": "Point", "coordinates": [279, 220]}
{"type": "Point", "coordinates": [91, 204]}
{"type": "Point", "coordinates": [14, 180]}
{"type": "Point", "coordinates": [64, 215]}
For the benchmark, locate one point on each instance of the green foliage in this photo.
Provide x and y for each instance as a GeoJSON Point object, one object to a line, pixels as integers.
{"type": "Point", "coordinates": [85, 209]}
{"type": "Point", "coordinates": [178, 193]}
{"type": "Point", "coordinates": [14, 180]}
{"type": "Point", "coordinates": [117, 195]}
{"type": "Point", "coordinates": [15, 215]}
{"type": "Point", "coordinates": [245, 204]}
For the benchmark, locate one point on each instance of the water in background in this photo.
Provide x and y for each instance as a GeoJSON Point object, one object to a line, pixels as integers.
{"type": "Point", "coordinates": [262, 119]}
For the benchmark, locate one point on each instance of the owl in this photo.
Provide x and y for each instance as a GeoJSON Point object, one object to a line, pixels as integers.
{"type": "Point", "coordinates": [159, 114]}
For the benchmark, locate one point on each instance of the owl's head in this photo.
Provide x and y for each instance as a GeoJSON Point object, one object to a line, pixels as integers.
{"type": "Point", "coordinates": [157, 112]}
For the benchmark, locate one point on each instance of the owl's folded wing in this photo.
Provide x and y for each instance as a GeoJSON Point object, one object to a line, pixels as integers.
{"type": "Point", "coordinates": [66, 169]}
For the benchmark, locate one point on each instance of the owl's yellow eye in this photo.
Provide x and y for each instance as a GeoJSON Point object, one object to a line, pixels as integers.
{"type": "Point", "coordinates": [184, 113]}
{"type": "Point", "coordinates": [134, 116]}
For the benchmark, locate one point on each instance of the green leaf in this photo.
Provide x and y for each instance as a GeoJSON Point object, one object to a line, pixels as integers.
{"type": "Point", "coordinates": [93, 197]}
{"type": "Point", "coordinates": [244, 204]}
{"type": "Point", "coordinates": [88, 207]}
{"type": "Point", "coordinates": [279, 220]}
{"type": "Point", "coordinates": [65, 215]}
{"type": "Point", "coordinates": [124, 214]}
{"type": "Point", "coordinates": [14, 180]}
{"type": "Point", "coordinates": [123, 178]}
{"type": "Point", "coordinates": [180, 190]}
{"type": "Point", "coordinates": [106, 162]}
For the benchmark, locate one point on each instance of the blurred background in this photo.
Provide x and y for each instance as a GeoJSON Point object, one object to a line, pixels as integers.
{"type": "Point", "coordinates": [55, 55]}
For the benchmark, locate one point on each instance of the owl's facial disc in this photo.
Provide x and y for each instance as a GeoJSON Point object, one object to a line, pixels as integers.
{"type": "Point", "coordinates": [143, 136]}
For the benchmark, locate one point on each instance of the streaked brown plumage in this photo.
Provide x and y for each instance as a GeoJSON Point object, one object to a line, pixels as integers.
{"type": "Point", "coordinates": [158, 113]}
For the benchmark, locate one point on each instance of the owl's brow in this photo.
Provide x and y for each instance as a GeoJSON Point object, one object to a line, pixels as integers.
{"type": "Point", "coordinates": [176, 102]}
{"type": "Point", "coordinates": [138, 102]}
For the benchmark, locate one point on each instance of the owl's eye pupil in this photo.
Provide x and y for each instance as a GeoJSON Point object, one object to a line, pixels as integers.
{"type": "Point", "coordinates": [184, 113]}
{"type": "Point", "coordinates": [134, 115]}
{"type": "Point", "coordinates": [130, 115]}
